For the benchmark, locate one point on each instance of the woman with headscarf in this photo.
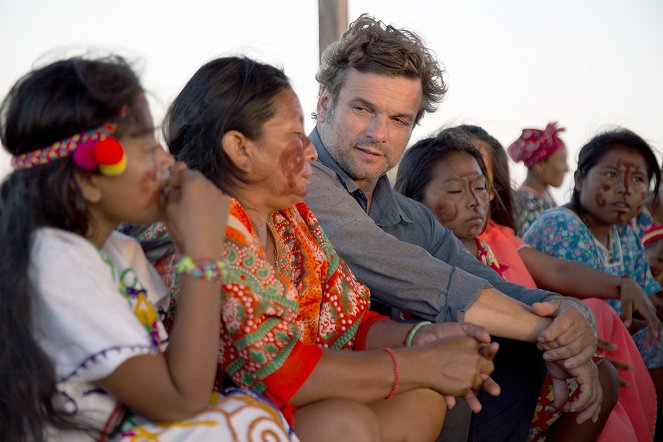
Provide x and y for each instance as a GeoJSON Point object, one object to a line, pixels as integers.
{"type": "Point", "coordinates": [544, 155]}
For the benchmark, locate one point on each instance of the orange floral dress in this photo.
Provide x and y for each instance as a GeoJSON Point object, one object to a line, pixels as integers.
{"type": "Point", "coordinates": [276, 320]}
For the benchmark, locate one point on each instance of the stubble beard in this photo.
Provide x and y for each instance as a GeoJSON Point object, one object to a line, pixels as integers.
{"type": "Point", "coordinates": [342, 153]}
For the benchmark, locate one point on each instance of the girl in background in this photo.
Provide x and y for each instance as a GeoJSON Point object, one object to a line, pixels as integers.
{"type": "Point", "coordinates": [544, 155]}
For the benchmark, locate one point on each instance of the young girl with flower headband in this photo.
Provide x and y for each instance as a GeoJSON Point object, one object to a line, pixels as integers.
{"type": "Point", "coordinates": [544, 155]}
{"type": "Point", "coordinates": [84, 353]}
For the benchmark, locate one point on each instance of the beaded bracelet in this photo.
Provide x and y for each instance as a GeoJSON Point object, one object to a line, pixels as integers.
{"type": "Point", "coordinates": [397, 373]}
{"type": "Point", "coordinates": [207, 269]}
{"type": "Point", "coordinates": [413, 331]}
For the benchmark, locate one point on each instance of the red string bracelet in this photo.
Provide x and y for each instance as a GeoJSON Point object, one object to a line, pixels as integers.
{"type": "Point", "coordinates": [397, 376]}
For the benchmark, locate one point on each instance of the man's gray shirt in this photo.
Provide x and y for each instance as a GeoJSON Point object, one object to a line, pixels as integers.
{"type": "Point", "coordinates": [399, 250]}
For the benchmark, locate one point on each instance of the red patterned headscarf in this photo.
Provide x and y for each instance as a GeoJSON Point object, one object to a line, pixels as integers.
{"type": "Point", "coordinates": [536, 145]}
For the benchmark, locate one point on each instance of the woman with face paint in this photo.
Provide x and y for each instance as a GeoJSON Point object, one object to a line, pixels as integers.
{"type": "Point", "coordinates": [612, 182]}
{"type": "Point", "coordinates": [295, 322]}
{"type": "Point", "coordinates": [544, 154]}
{"type": "Point", "coordinates": [456, 182]}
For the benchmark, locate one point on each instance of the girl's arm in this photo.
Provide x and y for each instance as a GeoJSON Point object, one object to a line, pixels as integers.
{"type": "Point", "coordinates": [178, 383]}
{"type": "Point", "coordinates": [582, 281]}
{"type": "Point", "coordinates": [569, 277]}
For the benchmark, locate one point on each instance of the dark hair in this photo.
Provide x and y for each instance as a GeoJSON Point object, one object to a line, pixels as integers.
{"type": "Point", "coordinates": [596, 148]}
{"type": "Point", "coordinates": [46, 105]}
{"type": "Point", "coordinates": [502, 206]}
{"type": "Point", "coordinates": [230, 93]}
{"type": "Point", "coordinates": [416, 166]}
{"type": "Point", "coordinates": [370, 46]}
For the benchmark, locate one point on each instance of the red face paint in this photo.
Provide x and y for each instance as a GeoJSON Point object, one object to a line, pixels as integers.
{"type": "Point", "coordinates": [292, 163]}
{"type": "Point", "coordinates": [446, 212]}
{"type": "Point", "coordinates": [630, 169]}
{"type": "Point", "coordinates": [599, 198]}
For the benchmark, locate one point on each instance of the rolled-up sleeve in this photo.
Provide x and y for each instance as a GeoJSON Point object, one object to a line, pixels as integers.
{"type": "Point", "coordinates": [432, 276]}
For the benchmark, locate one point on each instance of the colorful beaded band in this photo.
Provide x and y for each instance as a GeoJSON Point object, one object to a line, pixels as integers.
{"type": "Point", "coordinates": [96, 149]}
{"type": "Point", "coordinates": [397, 373]}
{"type": "Point", "coordinates": [207, 269]}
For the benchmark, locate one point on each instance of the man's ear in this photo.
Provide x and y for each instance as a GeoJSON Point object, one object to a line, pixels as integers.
{"type": "Point", "coordinates": [88, 183]}
{"type": "Point", "coordinates": [238, 149]}
{"type": "Point", "coordinates": [324, 103]}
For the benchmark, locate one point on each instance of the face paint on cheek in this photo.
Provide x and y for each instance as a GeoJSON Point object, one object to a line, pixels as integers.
{"type": "Point", "coordinates": [292, 163]}
{"type": "Point", "coordinates": [446, 212]}
{"type": "Point", "coordinates": [599, 198]}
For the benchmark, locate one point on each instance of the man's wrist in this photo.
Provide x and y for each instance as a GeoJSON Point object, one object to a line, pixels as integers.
{"type": "Point", "coordinates": [582, 308]}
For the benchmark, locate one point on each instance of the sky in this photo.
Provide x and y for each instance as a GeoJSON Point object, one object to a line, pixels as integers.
{"type": "Point", "coordinates": [591, 65]}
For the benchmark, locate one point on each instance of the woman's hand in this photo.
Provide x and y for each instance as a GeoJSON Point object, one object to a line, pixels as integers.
{"type": "Point", "coordinates": [460, 366]}
{"type": "Point", "coordinates": [433, 332]}
{"type": "Point", "coordinates": [608, 347]}
{"type": "Point", "coordinates": [633, 297]}
{"type": "Point", "coordinates": [588, 402]}
{"type": "Point", "coordinates": [197, 213]}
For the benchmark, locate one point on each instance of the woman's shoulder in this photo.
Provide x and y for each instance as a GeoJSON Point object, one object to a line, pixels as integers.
{"type": "Point", "coordinates": [559, 215]}
{"type": "Point", "coordinates": [556, 222]}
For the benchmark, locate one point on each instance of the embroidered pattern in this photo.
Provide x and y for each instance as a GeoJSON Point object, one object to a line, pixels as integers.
{"type": "Point", "coordinates": [309, 296]}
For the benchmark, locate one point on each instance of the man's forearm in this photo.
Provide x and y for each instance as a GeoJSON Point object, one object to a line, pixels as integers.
{"type": "Point", "coordinates": [505, 317]}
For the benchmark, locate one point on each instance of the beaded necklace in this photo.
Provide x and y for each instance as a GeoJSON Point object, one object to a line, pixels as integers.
{"type": "Point", "coordinates": [129, 286]}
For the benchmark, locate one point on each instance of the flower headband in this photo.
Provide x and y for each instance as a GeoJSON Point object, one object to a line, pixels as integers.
{"type": "Point", "coordinates": [91, 150]}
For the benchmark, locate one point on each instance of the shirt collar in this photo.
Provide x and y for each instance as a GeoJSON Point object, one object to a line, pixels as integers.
{"type": "Point", "coordinates": [385, 210]}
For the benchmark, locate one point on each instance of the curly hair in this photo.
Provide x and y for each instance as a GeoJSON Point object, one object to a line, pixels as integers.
{"type": "Point", "coordinates": [370, 46]}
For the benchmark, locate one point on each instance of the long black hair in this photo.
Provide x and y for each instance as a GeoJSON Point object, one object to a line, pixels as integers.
{"type": "Point", "coordinates": [229, 93]}
{"type": "Point", "coordinates": [46, 105]}
{"type": "Point", "coordinates": [501, 206]}
{"type": "Point", "coordinates": [595, 149]}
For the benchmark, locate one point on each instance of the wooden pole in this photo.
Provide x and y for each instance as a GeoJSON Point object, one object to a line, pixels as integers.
{"type": "Point", "coordinates": [332, 22]}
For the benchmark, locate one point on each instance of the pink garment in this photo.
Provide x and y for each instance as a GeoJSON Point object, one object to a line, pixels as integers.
{"type": "Point", "coordinates": [634, 415]}
{"type": "Point", "coordinates": [505, 245]}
